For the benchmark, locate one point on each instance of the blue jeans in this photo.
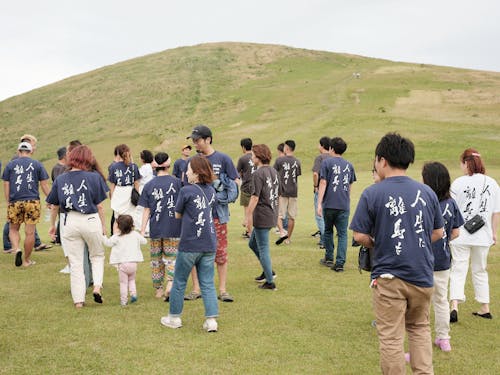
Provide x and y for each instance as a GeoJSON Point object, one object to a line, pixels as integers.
{"type": "Point", "coordinates": [6, 240]}
{"type": "Point", "coordinates": [204, 263]}
{"type": "Point", "coordinates": [320, 222]}
{"type": "Point", "coordinates": [339, 219]}
{"type": "Point", "coordinates": [259, 243]}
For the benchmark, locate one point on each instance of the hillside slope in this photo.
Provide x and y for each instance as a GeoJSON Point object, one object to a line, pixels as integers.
{"type": "Point", "coordinates": [267, 92]}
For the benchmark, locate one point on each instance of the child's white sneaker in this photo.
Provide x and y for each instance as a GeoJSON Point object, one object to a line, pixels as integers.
{"type": "Point", "coordinates": [210, 325]}
{"type": "Point", "coordinates": [171, 321]}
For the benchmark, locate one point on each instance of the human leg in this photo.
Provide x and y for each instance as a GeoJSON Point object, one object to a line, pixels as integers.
{"type": "Point", "coordinates": [205, 268]}
{"type": "Point", "coordinates": [6, 240]}
{"type": "Point", "coordinates": [417, 322]}
{"type": "Point", "coordinates": [328, 216]}
{"type": "Point", "coordinates": [341, 222]}
{"type": "Point", "coordinates": [458, 272]}
{"type": "Point", "coordinates": [320, 223]}
{"type": "Point", "coordinates": [480, 282]}
{"type": "Point", "coordinates": [29, 242]}
{"type": "Point", "coordinates": [183, 266]}
{"type": "Point", "coordinates": [123, 277]}
{"type": "Point", "coordinates": [92, 234]}
{"type": "Point", "coordinates": [389, 306]}
{"type": "Point", "coordinates": [262, 241]}
{"type": "Point", "coordinates": [74, 244]}
{"type": "Point", "coordinates": [157, 265]}
{"type": "Point", "coordinates": [441, 305]}
{"type": "Point", "coordinates": [221, 259]}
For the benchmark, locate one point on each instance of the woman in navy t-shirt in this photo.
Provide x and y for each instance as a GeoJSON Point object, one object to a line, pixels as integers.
{"type": "Point", "coordinates": [197, 243]}
{"type": "Point", "coordinates": [80, 193]}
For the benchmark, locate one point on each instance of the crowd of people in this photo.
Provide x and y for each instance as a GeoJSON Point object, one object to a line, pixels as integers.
{"type": "Point", "coordinates": [421, 235]}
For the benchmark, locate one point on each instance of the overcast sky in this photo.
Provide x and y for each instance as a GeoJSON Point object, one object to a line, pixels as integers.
{"type": "Point", "coordinates": [45, 41]}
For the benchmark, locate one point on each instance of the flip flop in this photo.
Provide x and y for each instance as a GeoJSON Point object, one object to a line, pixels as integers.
{"type": "Point", "coordinates": [280, 240]}
{"type": "Point", "coordinates": [43, 246]}
{"type": "Point", "coordinates": [19, 258]}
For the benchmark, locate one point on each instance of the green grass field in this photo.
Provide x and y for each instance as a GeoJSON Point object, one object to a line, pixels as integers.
{"type": "Point", "coordinates": [318, 321]}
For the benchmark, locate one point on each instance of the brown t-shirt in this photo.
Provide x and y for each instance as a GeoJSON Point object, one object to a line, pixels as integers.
{"type": "Point", "coordinates": [265, 186]}
{"type": "Point", "coordinates": [245, 168]}
{"type": "Point", "coordinates": [288, 168]}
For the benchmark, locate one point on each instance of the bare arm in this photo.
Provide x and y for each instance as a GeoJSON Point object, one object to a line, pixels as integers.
{"type": "Point", "coordinates": [455, 232]}
{"type": "Point", "coordinates": [495, 221]}
{"type": "Point", "coordinates": [321, 194]}
{"type": "Point", "coordinates": [178, 215]}
{"type": "Point", "coordinates": [100, 211]}
{"type": "Point", "coordinates": [250, 209]}
{"type": "Point", "coordinates": [45, 187]}
{"type": "Point", "coordinates": [145, 220]}
{"type": "Point", "coordinates": [54, 211]}
{"type": "Point", "coordinates": [437, 234]}
{"type": "Point", "coordinates": [364, 239]}
{"type": "Point", "coordinates": [111, 189]}
{"type": "Point", "coordinates": [6, 190]}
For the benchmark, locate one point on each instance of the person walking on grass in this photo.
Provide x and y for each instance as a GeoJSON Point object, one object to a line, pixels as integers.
{"type": "Point", "coordinates": [245, 168]}
{"type": "Point", "coordinates": [80, 193]}
{"type": "Point", "coordinates": [437, 177]}
{"type": "Point", "coordinates": [289, 170]}
{"type": "Point", "coordinates": [223, 168]}
{"type": "Point", "coordinates": [158, 199]}
{"type": "Point", "coordinates": [197, 245]}
{"type": "Point", "coordinates": [400, 218]}
{"type": "Point", "coordinates": [334, 201]}
{"type": "Point", "coordinates": [476, 194]}
{"type": "Point", "coordinates": [22, 178]}
{"type": "Point", "coordinates": [263, 212]}
{"type": "Point", "coordinates": [125, 253]}
{"type": "Point", "coordinates": [324, 153]}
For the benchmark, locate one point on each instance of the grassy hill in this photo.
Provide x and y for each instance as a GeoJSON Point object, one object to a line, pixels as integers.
{"type": "Point", "coordinates": [267, 92]}
{"type": "Point", "coordinates": [318, 321]}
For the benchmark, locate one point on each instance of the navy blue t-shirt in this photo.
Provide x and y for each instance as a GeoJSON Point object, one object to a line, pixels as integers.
{"type": "Point", "coordinates": [401, 215]}
{"type": "Point", "coordinates": [195, 203]}
{"type": "Point", "coordinates": [180, 166]}
{"type": "Point", "coordinates": [160, 195]}
{"type": "Point", "coordinates": [441, 248]}
{"type": "Point", "coordinates": [24, 175]}
{"type": "Point", "coordinates": [79, 191]}
{"type": "Point", "coordinates": [339, 175]}
{"type": "Point", "coordinates": [121, 174]}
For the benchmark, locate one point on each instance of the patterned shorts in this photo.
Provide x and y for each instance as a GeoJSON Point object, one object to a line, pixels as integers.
{"type": "Point", "coordinates": [27, 212]}
{"type": "Point", "coordinates": [221, 233]}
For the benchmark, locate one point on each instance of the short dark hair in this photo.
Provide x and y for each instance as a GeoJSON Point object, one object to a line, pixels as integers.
{"type": "Point", "coordinates": [398, 151]}
{"type": "Point", "coordinates": [246, 143]}
{"type": "Point", "coordinates": [125, 224]}
{"type": "Point", "coordinates": [325, 142]}
{"type": "Point", "coordinates": [437, 177]}
{"type": "Point", "coordinates": [161, 158]}
{"type": "Point", "coordinates": [290, 143]}
{"type": "Point", "coordinates": [263, 153]}
{"type": "Point", "coordinates": [281, 147]}
{"type": "Point", "coordinates": [202, 167]}
{"type": "Point", "coordinates": [147, 156]}
{"type": "Point", "coordinates": [338, 145]}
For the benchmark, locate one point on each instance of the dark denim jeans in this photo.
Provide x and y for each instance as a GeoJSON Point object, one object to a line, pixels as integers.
{"type": "Point", "coordinates": [340, 220]}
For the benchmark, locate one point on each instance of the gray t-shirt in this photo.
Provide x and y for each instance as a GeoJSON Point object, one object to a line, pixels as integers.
{"type": "Point", "coordinates": [288, 168]}
{"type": "Point", "coordinates": [245, 168]}
{"type": "Point", "coordinates": [265, 186]}
{"type": "Point", "coordinates": [317, 162]}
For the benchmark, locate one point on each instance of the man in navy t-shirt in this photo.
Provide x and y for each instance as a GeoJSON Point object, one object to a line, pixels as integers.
{"type": "Point", "coordinates": [22, 176]}
{"type": "Point", "coordinates": [334, 202]}
{"type": "Point", "coordinates": [221, 164]}
{"type": "Point", "coordinates": [399, 218]}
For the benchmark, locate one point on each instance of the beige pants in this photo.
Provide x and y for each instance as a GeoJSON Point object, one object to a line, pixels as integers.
{"type": "Point", "coordinates": [78, 230]}
{"type": "Point", "coordinates": [400, 306]}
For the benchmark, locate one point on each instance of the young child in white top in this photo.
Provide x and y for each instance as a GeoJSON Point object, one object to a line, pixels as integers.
{"type": "Point", "coordinates": [125, 254]}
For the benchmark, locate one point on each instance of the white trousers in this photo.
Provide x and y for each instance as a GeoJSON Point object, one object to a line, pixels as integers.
{"type": "Point", "coordinates": [78, 230]}
{"type": "Point", "coordinates": [460, 255]}
{"type": "Point", "coordinates": [441, 304]}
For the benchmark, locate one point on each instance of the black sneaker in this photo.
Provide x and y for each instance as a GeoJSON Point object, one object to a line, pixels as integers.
{"type": "Point", "coordinates": [262, 277]}
{"type": "Point", "coordinates": [316, 234]}
{"type": "Point", "coordinates": [245, 235]}
{"type": "Point", "coordinates": [338, 268]}
{"type": "Point", "coordinates": [270, 286]}
{"type": "Point", "coordinates": [454, 316]}
{"type": "Point", "coordinates": [326, 262]}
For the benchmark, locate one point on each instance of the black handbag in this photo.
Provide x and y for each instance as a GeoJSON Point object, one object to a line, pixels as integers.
{"type": "Point", "coordinates": [134, 197]}
{"type": "Point", "coordinates": [364, 259]}
{"type": "Point", "coordinates": [474, 224]}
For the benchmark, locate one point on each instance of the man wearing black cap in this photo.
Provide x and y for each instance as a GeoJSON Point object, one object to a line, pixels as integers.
{"type": "Point", "coordinates": [222, 166]}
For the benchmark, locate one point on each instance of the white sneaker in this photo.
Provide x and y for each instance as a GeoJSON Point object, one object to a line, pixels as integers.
{"type": "Point", "coordinates": [210, 325]}
{"type": "Point", "coordinates": [66, 269]}
{"type": "Point", "coordinates": [171, 321]}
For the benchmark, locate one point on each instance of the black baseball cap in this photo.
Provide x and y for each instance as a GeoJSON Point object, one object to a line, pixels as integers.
{"type": "Point", "coordinates": [200, 131]}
